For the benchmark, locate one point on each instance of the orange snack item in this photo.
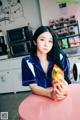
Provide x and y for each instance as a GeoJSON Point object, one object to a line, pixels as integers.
{"type": "Point", "coordinates": [57, 74]}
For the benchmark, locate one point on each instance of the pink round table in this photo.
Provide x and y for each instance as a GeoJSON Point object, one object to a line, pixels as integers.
{"type": "Point", "coordinates": [36, 107]}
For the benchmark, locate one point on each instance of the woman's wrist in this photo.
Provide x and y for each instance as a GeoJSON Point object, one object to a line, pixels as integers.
{"type": "Point", "coordinates": [49, 92]}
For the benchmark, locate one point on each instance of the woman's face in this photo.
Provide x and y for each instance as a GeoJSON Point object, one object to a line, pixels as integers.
{"type": "Point", "coordinates": [44, 43]}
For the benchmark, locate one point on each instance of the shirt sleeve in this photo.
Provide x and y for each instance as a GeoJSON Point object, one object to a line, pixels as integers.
{"type": "Point", "coordinates": [66, 68]}
{"type": "Point", "coordinates": [27, 76]}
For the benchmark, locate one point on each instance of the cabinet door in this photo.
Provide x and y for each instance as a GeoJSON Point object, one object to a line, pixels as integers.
{"type": "Point", "coordinates": [18, 81]}
{"type": "Point", "coordinates": [6, 84]}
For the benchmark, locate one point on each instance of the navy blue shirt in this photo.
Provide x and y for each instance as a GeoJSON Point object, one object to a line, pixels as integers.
{"type": "Point", "coordinates": [32, 71]}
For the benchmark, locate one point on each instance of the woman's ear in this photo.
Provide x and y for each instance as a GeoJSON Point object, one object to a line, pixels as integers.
{"type": "Point", "coordinates": [34, 42]}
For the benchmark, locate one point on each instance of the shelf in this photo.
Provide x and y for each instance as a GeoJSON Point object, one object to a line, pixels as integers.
{"type": "Point", "coordinates": [72, 50]}
{"type": "Point", "coordinates": [61, 27]}
{"type": "Point", "coordinates": [67, 32]}
{"type": "Point", "coordinates": [74, 35]}
{"type": "Point", "coordinates": [2, 57]}
{"type": "Point", "coordinates": [4, 19]}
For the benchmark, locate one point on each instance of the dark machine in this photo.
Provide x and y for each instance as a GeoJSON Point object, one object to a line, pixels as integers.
{"type": "Point", "coordinates": [19, 41]}
{"type": "Point", "coordinates": [3, 46]}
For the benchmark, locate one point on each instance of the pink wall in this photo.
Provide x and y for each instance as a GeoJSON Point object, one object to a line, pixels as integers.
{"type": "Point", "coordinates": [51, 10]}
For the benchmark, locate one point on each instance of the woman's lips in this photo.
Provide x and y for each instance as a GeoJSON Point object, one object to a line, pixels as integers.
{"type": "Point", "coordinates": [45, 48]}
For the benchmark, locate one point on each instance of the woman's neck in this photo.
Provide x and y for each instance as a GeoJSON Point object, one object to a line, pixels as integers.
{"type": "Point", "coordinates": [42, 57]}
{"type": "Point", "coordinates": [43, 60]}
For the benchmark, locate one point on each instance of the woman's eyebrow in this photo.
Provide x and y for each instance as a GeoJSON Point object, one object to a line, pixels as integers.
{"type": "Point", "coordinates": [45, 37]}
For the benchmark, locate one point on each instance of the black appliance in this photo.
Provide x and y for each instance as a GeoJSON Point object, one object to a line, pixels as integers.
{"type": "Point", "coordinates": [19, 41]}
{"type": "Point", "coordinates": [3, 46]}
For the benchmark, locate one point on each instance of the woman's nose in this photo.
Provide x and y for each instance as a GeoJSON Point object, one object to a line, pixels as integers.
{"type": "Point", "coordinates": [45, 44]}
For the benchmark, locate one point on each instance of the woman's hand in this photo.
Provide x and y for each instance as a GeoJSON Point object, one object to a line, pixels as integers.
{"type": "Point", "coordinates": [60, 90]}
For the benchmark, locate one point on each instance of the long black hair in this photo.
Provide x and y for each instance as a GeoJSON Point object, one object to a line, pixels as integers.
{"type": "Point", "coordinates": [54, 54]}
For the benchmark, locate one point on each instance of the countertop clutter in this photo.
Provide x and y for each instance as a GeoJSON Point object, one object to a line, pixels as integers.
{"type": "Point", "coordinates": [3, 57]}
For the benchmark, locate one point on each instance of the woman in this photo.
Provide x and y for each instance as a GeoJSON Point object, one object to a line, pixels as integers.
{"type": "Point", "coordinates": [37, 68]}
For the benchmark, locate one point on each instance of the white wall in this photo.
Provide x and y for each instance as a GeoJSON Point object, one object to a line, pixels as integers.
{"type": "Point", "coordinates": [51, 10]}
{"type": "Point", "coordinates": [31, 13]}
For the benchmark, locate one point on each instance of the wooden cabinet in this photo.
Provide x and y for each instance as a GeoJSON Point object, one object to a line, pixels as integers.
{"type": "Point", "coordinates": [10, 76]}
{"type": "Point", "coordinates": [6, 84]}
{"type": "Point", "coordinates": [18, 81]}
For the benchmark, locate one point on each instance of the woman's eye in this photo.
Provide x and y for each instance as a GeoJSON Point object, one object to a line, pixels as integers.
{"type": "Point", "coordinates": [50, 41]}
{"type": "Point", "coordinates": [42, 39]}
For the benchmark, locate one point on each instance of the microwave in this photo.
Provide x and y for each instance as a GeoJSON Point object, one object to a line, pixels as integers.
{"type": "Point", "coordinates": [20, 49]}
{"type": "Point", "coordinates": [19, 34]}
{"type": "Point", "coordinates": [19, 41]}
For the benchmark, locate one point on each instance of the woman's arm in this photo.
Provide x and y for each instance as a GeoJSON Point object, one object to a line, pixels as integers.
{"type": "Point", "coordinates": [58, 92]}
{"type": "Point", "coordinates": [41, 91]}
